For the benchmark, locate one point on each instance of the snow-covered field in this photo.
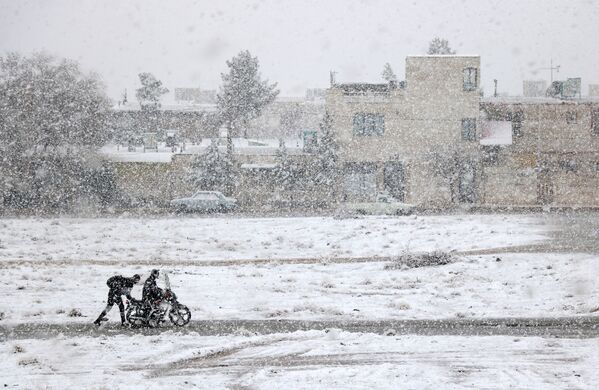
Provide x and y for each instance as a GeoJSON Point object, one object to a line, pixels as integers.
{"type": "Point", "coordinates": [51, 269]}
{"type": "Point", "coordinates": [330, 359]}
{"type": "Point", "coordinates": [522, 285]}
{"type": "Point", "coordinates": [202, 239]}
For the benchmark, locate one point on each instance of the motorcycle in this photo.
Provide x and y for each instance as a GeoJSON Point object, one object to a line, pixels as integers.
{"type": "Point", "coordinates": [140, 314]}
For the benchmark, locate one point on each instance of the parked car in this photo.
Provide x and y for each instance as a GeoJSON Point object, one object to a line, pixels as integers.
{"type": "Point", "coordinates": [204, 201]}
{"type": "Point", "coordinates": [384, 204]}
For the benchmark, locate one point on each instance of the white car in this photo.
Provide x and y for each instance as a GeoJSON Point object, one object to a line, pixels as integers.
{"type": "Point", "coordinates": [205, 201]}
{"type": "Point", "coordinates": [384, 204]}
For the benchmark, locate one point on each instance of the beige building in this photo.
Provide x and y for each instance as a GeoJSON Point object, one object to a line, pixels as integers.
{"type": "Point", "coordinates": [433, 141]}
{"type": "Point", "coordinates": [552, 157]}
{"type": "Point", "coordinates": [418, 139]}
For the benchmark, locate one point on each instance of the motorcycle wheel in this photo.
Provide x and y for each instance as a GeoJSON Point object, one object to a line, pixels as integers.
{"type": "Point", "coordinates": [154, 320]}
{"type": "Point", "coordinates": [180, 315]}
{"type": "Point", "coordinates": [135, 316]}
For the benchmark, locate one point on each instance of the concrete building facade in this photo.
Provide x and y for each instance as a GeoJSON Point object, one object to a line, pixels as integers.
{"type": "Point", "coordinates": [424, 142]}
{"type": "Point", "coordinates": [396, 138]}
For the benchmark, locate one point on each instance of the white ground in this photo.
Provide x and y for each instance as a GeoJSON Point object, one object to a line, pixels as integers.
{"type": "Point", "coordinates": [522, 285]}
{"type": "Point", "coordinates": [48, 267]}
{"type": "Point", "coordinates": [301, 360]}
{"type": "Point", "coordinates": [192, 238]}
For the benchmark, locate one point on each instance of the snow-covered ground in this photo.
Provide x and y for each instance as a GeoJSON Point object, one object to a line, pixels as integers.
{"type": "Point", "coordinates": [330, 359]}
{"type": "Point", "coordinates": [51, 269]}
{"type": "Point", "coordinates": [169, 239]}
{"type": "Point", "coordinates": [523, 285]}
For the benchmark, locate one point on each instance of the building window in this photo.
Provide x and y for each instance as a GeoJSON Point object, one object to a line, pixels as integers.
{"type": "Point", "coordinates": [595, 122]}
{"type": "Point", "coordinates": [470, 79]}
{"type": "Point", "coordinates": [571, 117]}
{"type": "Point", "coordinates": [567, 165]}
{"type": "Point", "coordinates": [490, 154]}
{"type": "Point", "coordinates": [469, 129]}
{"type": "Point", "coordinates": [516, 117]}
{"type": "Point", "coordinates": [368, 124]}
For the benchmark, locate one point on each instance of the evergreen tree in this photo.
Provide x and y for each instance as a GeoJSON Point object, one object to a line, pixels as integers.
{"type": "Point", "coordinates": [148, 96]}
{"type": "Point", "coordinates": [242, 97]}
{"type": "Point", "coordinates": [243, 94]}
{"type": "Point", "coordinates": [388, 74]}
{"type": "Point", "coordinates": [439, 46]}
{"type": "Point", "coordinates": [327, 159]}
{"type": "Point", "coordinates": [229, 175]}
{"type": "Point", "coordinates": [150, 91]}
{"type": "Point", "coordinates": [283, 172]}
{"type": "Point", "coordinates": [207, 170]}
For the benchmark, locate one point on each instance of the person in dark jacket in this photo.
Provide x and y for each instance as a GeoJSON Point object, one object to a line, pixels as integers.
{"type": "Point", "coordinates": [151, 292]}
{"type": "Point", "coordinates": [118, 285]}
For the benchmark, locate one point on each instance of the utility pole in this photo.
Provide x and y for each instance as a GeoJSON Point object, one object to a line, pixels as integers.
{"type": "Point", "coordinates": [332, 80]}
{"type": "Point", "coordinates": [495, 82]}
{"type": "Point", "coordinates": [551, 68]}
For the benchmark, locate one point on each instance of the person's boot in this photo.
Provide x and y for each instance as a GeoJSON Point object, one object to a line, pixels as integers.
{"type": "Point", "coordinates": [100, 318]}
{"type": "Point", "coordinates": [123, 321]}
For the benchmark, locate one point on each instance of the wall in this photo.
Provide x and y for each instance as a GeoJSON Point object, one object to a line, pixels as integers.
{"type": "Point", "coordinates": [424, 116]}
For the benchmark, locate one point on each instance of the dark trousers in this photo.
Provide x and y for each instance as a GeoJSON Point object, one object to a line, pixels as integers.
{"type": "Point", "coordinates": [113, 297]}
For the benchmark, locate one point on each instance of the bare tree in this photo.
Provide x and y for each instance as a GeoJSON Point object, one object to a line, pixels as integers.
{"type": "Point", "coordinates": [455, 167]}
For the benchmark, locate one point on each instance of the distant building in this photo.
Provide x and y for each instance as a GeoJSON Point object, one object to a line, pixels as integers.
{"type": "Point", "coordinates": [195, 96]}
{"type": "Point", "coordinates": [287, 117]}
{"type": "Point", "coordinates": [534, 88]}
{"type": "Point", "coordinates": [403, 138]}
{"type": "Point", "coordinates": [315, 93]}
{"type": "Point", "coordinates": [593, 90]}
{"type": "Point", "coordinates": [434, 141]}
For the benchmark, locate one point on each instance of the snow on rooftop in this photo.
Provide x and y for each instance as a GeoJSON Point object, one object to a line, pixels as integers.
{"type": "Point", "coordinates": [164, 154]}
{"type": "Point", "coordinates": [537, 100]}
{"type": "Point", "coordinates": [259, 166]}
{"type": "Point", "coordinates": [135, 106]}
{"type": "Point", "coordinates": [444, 55]}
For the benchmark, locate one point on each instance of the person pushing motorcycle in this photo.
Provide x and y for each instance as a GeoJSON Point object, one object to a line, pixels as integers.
{"type": "Point", "coordinates": [118, 285]}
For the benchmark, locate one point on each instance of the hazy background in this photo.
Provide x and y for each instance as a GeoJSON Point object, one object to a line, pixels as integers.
{"type": "Point", "coordinates": [186, 43]}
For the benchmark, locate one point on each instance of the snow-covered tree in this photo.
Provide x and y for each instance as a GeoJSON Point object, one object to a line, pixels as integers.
{"type": "Point", "coordinates": [52, 118]}
{"type": "Point", "coordinates": [283, 172]}
{"type": "Point", "coordinates": [148, 95]}
{"type": "Point", "coordinates": [439, 46]}
{"type": "Point", "coordinates": [327, 159]}
{"type": "Point", "coordinates": [211, 170]}
{"type": "Point", "coordinates": [243, 94]}
{"type": "Point", "coordinates": [388, 74]}
{"type": "Point", "coordinates": [205, 171]}
{"type": "Point", "coordinates": [241, 98]}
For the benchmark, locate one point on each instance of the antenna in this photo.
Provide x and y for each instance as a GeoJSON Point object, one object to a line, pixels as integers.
{"type": "Point", "coordinates": [551, 68]}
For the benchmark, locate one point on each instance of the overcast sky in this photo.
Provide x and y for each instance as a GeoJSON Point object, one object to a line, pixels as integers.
{"type": "Point", "coordinates": [186, 43]}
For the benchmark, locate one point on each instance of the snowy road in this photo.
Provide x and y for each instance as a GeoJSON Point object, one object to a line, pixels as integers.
{"type": "Point", "coordinates": [563, 327]}
{"type": "Point", "coordinates": [314, 359]}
